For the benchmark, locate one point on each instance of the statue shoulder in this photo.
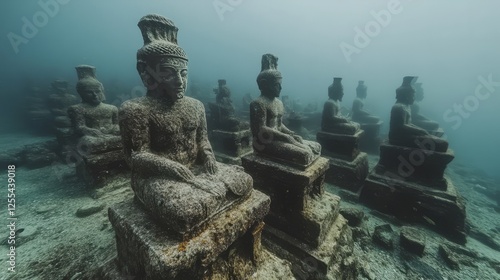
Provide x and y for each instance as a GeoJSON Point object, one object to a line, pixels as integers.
{"type": "Point", "coordinates": [133, 107]}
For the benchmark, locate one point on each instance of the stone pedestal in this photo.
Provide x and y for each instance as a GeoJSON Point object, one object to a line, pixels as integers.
{"type": "Point", "coordinates": [228, 247]}
{"type": "Point", "coordinates": [98, 165]}
{"type": "Point", "coordinates": [348, 166]}
{"type": "Point", "coordinates": [229, 147]}
{"type": "Point", "coordinates": [304, 225]}
{"type": "Point", "coordinates": [409, 184]}
{"type": "Point", "coordinates": [369, 142]}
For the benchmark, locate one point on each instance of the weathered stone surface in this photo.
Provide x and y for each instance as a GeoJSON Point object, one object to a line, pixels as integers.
{"type": "Point", "coordinates": [455, 255]}
{"type": "Point", "coordinates": [412, 240]}
{"type": "Point", "coordinates": [415, 165]}
{"type": "Point", "coordinates": [222, 112]}
{"type": "Point", "coordinates": [349, 175]}
{"type": "Point", "coordinates": [383, 235]}
{"type": "Point", "coordinates": [89, 209]}
{"type": "Point", "coordinates": [332, 259]}
{"type": "Point", "coordinates": [295, 195]}
{"type": "Point", "coordinates": [232, 144]}
{"type": "Point", "coordinates": [416, 203]}
{"type": "Point", "coordinates": [354, 216]}
{"type": "Point", "coordinates": [484, 238]}
{"type": "Point", "coordinates": [164, 256]}
{"type": "Point", "coordinates": [339, 146]}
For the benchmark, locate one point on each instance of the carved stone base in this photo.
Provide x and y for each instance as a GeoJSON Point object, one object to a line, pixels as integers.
{"type": "Point", "coordinates": [332, 259]}
{"type": "Point", "coordinates": [96, 170]}
{"type": "Point", "coordinates": [232, 144]}
{"type": "Point", "coordinates": [294, 194]}
{"type": "Point", "coordinates": [304, 225]}
{"type": "Point", "coordinates": [369, 142]}
{"type": "Point", "coordinates": [339, 146]}
{"type": "Point", "coordinates": [349, 175]}
{"type": "Point", "coordinates": [416, 165]}
{"type": "Point", "coordinates": [228, 248]}
{"type": "Point", "coordinates": [442, 209]}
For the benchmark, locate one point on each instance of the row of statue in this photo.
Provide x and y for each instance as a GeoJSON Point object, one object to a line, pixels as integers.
{"type": "Point", "coordinates": [192, 213]}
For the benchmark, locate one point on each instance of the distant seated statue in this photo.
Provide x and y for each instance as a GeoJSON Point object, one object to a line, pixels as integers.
{"type": "Point", "coordinates": [93, 122]}
{"type": "Point", "coordinates": [402, 132]}
{"type": "Point", "coordinates": [222, 112]}
{"type": "Point", "coordinates": [358, 114]}
{"type": "Point", "coordinates": [332, 121]}
{"type": "Point", "coordinates": [271, 137]}
{"type": "Point", "coordinates": [416, 117]}
{"type": "Point", "coordinates": [174, 172]}
{"type": "Point", "coordinates": [61, 98]}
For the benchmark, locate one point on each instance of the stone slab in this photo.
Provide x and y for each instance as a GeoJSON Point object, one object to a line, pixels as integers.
{"type": "Point", "coordinates": [339, 145]}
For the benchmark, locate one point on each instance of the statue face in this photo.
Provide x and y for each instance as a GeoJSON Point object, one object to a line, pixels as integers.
{"type": "Point", "coordinates": [92, 94]}
{"type": "Point", "coordinates": [272, 87]}
{"type": "Point", "coordinates": [168, 78]}
{"type": "Point", "coordinates": [409, 97]}
{"type": "Point", "coordinates": [338, 94]}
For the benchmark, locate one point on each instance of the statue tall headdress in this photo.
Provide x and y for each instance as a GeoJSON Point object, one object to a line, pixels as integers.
{"type": "Point", "coordinates": [406, 86]}
{"type": "Point", "coordinates": [269, 68]}
{"type": "Point", "coordinates": [87, 77]}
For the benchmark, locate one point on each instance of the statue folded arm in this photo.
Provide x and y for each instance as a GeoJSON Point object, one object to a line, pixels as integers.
{"type": "Point", "coordinates": [399, 115]}
{"type": "Point", "coordinates": [258, 119]}
{"type": "Point", "coordinates": [78, 123]}
{"type": "Point", "coordinates": [330, 113]}
{"type": "Point", "coordinates": [135, 136]}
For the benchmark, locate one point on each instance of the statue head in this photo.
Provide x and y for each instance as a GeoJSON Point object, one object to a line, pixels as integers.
{"type": "Point", "coordinates": [221, 82]}
{"type": "Point", "coordinates": [406, 93]}
{"type": "Point", "coordinates": [161, 63]}
{"type": "Point", "coordinates": [60, 86]}
{"type": "Point", "coordinates": [269, 78]}
{"type": "Point", "coordinates": [361, 90]}
{"type": "Point", "coordinates": [419, 91]}
{"type": "Point", "coordinates": [336, 90]}
{"type": "Point", "coordinates": [88, 87]}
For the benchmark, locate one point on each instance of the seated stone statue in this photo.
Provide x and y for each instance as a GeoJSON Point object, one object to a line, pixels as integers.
{"type": "Point", "coordinates": [332, 121]}
{"type": "Point", "coordinates": [222, 112]}
{"type": "Point", "coordinates": [174, 171]}
{"type": "Point", "coordinates": [94, 123]}
{"type": "Point", "coordinates": [358, 114]}
{"type": "Point", "coordinates": [271, 137]}
{"type": "Point", "coordinates": [416, 117]}
{"type": "Point", "coordinates": [402, 132]}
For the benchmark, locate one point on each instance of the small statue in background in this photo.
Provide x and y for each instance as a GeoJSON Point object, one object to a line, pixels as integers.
{"type": "Point", "coordinates": [402, 131]}
{"type": "Point", "coordinates": [358, 114]}
{"type": "Point", "coordinates": [94, 123]}
{"type": "Point", "coordinates": [222, 112]}
{"type": "Point", "coordinates": [419, 120]}
{"type": "Point", "coordinates": [332, 121]}
{"type": "Point", "coordinates": [271, 137]}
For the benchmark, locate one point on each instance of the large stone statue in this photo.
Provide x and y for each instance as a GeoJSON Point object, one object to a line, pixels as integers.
{"type": "Point", "coordinates": [402, 131]}
{"type": "Point", "coordinates": [418, 119]}
{"type": "Point", "coordinates": [222, 112]}
{"type": "Point", "coordinates": [165, 138]}
{"type": "Point", "coordinates": [332, 121]}
{"type": "Point", "coordinates": [94, 122]}
{"type": "Point", "coordinates": [197, 211]}
{"type": "Point", "coordinates": [360, 115]}
{"type": "Point", "coordinates": [271, 137]}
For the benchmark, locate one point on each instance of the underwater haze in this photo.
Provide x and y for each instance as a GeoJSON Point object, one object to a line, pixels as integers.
{"type": "Point", "coordinates": [451, 45]}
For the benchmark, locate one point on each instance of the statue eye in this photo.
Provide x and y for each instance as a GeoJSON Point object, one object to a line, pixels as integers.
{"type": "Point", "coordinates": [184, 73]}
